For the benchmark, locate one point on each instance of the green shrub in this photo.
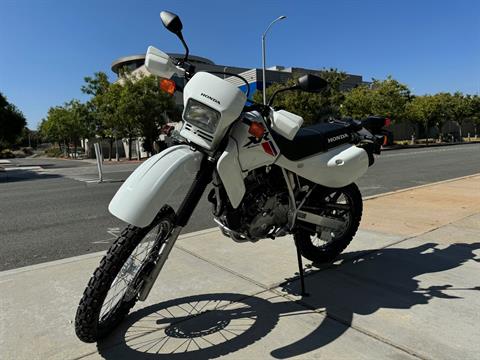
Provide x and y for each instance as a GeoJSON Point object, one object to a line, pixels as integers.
{"type": "Point", "coordinates": [7, 154]}
{"type": "Point", "coordinates": [53, 152]}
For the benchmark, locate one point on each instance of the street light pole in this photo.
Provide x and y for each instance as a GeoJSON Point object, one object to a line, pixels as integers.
{"type": "Point", "coordinates": [263, 57]}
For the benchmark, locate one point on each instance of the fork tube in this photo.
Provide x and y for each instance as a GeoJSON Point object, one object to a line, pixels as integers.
{"type": "Point", "coordinates": [164, 252]}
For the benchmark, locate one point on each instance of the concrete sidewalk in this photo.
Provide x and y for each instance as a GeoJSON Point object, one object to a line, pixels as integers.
{"type": "Point", "coordinates": [407, 287]}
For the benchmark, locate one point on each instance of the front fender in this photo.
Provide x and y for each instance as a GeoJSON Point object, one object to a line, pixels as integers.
{"type": "Point", "coordinates": [152, 184]}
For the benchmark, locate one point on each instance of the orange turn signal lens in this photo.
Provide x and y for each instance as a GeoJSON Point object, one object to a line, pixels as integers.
{"type": "Point", "coordinates": [168, 86]}
{"type": "Point", "coordinates": [256, 129]}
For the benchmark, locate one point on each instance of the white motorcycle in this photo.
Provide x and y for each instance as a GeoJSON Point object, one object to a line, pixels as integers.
{"type": "Point", "coordinates": [269, 177]}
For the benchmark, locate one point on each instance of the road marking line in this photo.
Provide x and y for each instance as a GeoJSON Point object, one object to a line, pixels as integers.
{"type": "Point", "coordinates": [19, 168]}
{"type": "Point", "coordinates": [419, 152]}
{"type": "Point", "coordinates": [114, 231]}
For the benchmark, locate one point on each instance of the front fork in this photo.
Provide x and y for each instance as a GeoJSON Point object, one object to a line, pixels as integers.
{"type": "Point", "coordinates": [185, 211]}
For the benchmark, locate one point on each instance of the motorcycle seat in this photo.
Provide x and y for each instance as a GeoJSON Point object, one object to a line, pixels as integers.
{"type": "Point", "coordinates": [314, 139]}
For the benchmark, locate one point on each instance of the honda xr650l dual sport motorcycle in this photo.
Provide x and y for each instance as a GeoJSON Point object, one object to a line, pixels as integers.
{"type": "Point", "coordinates": [269, 177]}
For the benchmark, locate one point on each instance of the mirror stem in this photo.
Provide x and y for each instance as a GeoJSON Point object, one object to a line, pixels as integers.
{"type": "Point", "coordinates": [270, 101]}
{"type": "Point", "coordinates": [180, 36]}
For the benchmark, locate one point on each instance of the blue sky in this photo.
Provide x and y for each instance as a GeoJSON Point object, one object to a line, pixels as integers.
{"type": "Point", "coordinates": [48, 46]}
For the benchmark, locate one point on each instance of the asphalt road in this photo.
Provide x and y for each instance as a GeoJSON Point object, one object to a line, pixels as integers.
{"type": "Point", "coordinates": [60, 212]}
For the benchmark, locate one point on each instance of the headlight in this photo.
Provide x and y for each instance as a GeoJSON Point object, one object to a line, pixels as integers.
{"type": "Point", "coordinates": [201, 116]}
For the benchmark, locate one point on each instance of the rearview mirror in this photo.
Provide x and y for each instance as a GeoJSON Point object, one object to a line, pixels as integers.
{"type": "Point", "coordinates": [311, 83]}
{"type": "Point", "coordinates": [172, 22]}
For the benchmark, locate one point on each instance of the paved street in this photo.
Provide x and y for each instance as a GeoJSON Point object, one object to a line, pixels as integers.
{"type": "Point", "coordinates": [59, 211]}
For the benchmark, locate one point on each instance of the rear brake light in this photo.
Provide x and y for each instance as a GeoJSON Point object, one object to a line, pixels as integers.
{"type": "Point", "coordinates": [168, 86]}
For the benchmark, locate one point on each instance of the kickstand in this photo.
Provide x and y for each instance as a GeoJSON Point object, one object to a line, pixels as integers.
{"type": "Point", "coordinates": [300, 271]}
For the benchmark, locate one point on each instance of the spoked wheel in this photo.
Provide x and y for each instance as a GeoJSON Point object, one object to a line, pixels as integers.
{"type": "Point", "coordinates": [343, 207]}
{"type": "Point", "coordinates": [114, 286]}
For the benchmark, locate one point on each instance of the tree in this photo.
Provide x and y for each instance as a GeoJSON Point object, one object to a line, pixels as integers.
{"type": "Point", "coordinates": [96, 85]}
{"type": "Point", "coordinates": [132, 107]}
{"type": "Point", "coordinates": [475, 111]}
{"type": "Point", "coordinates": [52, 128]}
{"type": "Point", "coordinates": [78, 125]}
{"type": "Point", "coordinates": [383, 97]}
{"type": "Point", "coordinates": [153, 107]}
{"type": "Point", "coordinates": [12, 122]}
{"type": "Point", "coordinates": [358, 103]}
{"type": "Point", "coordinates": [103, 122]}
{"type": "Point", "coordinates": [66, 124]}
{"type": "Point", "coordinates": [428, 111]}
{"type": "Point", "coordinates": [459, 109]}
{"type": "Point", "coordinates": [312, 107]}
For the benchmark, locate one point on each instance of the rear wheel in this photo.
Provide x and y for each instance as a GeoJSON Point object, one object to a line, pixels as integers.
{"type": "Point", "coordinates": [114, 286]}
{"type": "Point", "coordinates": [323, 244]}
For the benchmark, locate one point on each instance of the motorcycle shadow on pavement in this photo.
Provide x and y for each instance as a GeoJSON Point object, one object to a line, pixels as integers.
{"type": "Point", "coordinates": [210, 325]}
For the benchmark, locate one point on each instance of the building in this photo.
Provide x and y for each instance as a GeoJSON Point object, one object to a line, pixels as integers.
{"type": "Point", "coordinates": [275, 74]}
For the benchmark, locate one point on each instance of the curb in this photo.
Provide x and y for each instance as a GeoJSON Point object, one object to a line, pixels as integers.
{"type": "Point", "coordinates": [419, 146]}
{"type": "Point", "coordinates": [366, 198]}
{"type": "Point", "coordinates": [86, 256]}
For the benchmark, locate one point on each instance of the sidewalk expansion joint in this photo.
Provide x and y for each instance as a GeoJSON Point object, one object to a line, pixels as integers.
{"type": "Point", "coordinates": [224, 268]}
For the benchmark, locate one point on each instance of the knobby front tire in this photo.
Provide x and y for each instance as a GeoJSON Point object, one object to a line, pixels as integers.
{"type": "Point", "coordinates": [97, 315]}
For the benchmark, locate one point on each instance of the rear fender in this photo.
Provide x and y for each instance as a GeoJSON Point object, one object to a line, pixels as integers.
{"type": "Point", "coordinates": [153, 183]}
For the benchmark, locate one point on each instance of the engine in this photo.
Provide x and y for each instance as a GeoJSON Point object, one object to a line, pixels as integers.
{"type": "Point", "coordinates": [263, 210]}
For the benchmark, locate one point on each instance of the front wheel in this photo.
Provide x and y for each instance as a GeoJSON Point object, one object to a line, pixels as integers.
{"type": "Point", "coordinates": [321, 244]}
{"type": "Point", "coordinates": [114, 286]}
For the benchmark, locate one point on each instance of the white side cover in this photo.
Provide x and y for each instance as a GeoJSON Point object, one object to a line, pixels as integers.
{"type": "Point", "coordinates": [152, 184]}
{"type": "Point", "coordinates": [335, 168]}
{"type": "Point", "coordinates": [228, 168]}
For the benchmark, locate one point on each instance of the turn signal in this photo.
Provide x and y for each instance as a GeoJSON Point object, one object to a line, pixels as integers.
{"type": "Point", "coordinates": [256, 129]}
{"type": "Point", "coordinates": [168, 86]}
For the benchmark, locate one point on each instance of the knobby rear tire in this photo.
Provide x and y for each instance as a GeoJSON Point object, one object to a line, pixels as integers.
{"type": "Point", "coordinates": [88, 326]}
{"type": "Point", "coordinates": [330, 251]}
